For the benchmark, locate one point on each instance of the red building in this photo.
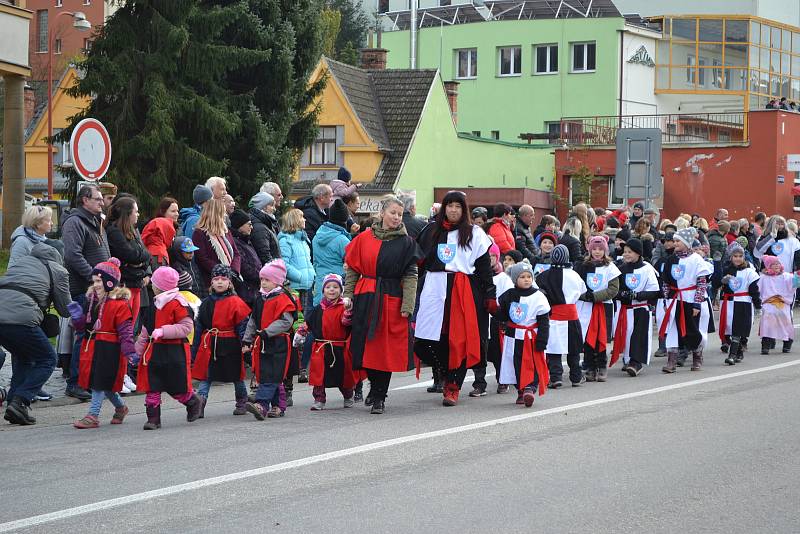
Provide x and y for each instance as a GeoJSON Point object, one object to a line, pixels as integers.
{"type": "Point", "coordinates": [744, 177]}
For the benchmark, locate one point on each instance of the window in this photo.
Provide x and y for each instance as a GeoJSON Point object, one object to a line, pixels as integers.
{"type": "Point", "coordinates": [57, 46]}
{"type": "Point", "coordinates": [383, 6]}
{"type": "Point", "coordinates": [323, 151]}
{"type": "Point", "coordinates": [59, 3]}
{"type": "Point", "coordinates": [613, 201]}
{"type": "Point", "coordinates": [41, 30]}
{"type": "Point", "coordinates": [579, 191]}
{"type": "Point", "coordinates": [701, 72]}
{"type": "Point", "coordinates": [87, 44]}
{"type": "Point", "coordinates": [583, 57]}
{"type": "Point", "coordinates": [690, 69]}
{"type": "Point", "coordinates": [546, 59]}
{"type": "Point", "coordinates": [510, 60]}
{"type": "Point", "coordinates": [495, 135]}
{"type": "Point", "coordinates": [476, 133]}
{"type": "Point", "coordinates": [467, 63]}
{"type": "Point", "coordinates": [553, 131]}
{"type": "Point", "coordinates": [87, 2]}
{"type": "Point", "coordinates": [62, 155]}
{"type": "Point", "coordinates": [724, 136]}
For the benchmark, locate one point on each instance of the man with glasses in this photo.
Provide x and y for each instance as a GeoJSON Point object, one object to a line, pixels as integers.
{"type": "Point", "coordinates": [85, 245]}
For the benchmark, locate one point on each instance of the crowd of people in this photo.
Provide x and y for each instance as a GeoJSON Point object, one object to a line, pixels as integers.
{"type": "Point", "coordinates": [311, 292]}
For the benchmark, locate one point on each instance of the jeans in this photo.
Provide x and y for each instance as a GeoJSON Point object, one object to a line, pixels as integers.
{"type": "Point", "coordinates": [268, 394]}
{"type": "Point", "coordinates": [97, 401]}
{"type": "Point", "coordinates": [32, 359]}
{"type": "Point", "coordinates": [238, 387]}
{"type": "Point", "coordinates": [307, 301]}
{"type": "Point", "coordinates": [72, 381]}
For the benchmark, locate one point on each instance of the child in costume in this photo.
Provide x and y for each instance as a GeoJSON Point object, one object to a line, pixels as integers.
{"type": "Point", "coordinates": [547, 242]}
{"type": "Point", "coordinates": [107, 345]}
{"type": "Point", "coordinates": [165, 358]}
{"type": "Point", "coordinates": [269, 332]}
{"type": "Point", "coordinates": [185, 283]}
{"type": "Point", "coordinates": [777, 295]}
{"type": "Point", "coordinates": [217, 342]}
{"type": "Point", "coordinates": [331, 364]}
{"type": "Point", "coordinates": [524, 309]}
{"type": "Point", "coordinates": [740, 296]}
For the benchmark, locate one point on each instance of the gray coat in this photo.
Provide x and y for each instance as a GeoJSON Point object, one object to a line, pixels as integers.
{"type": "Point", "coordinates": [31, 273]}
{"type": "Point", "coordinates": [22, 241]}
{"type": "Point", "coordinates": [85, 245]}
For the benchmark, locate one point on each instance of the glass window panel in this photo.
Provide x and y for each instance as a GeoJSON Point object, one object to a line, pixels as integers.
{"type": "Point", "coordinates": [796, 43]}
{"type": "Point", "coordinates": [774, 61]}
{"type": "Point", "coordinates": [735, 79]}
{"type": "Point", "coordinates": [736, 55]}
{"type": "Point", "coordinates": [795, 65]}
{"type": "Point", "coordinates": [716, 74]}
{"type": "Point", "coordinates": [785, 86]}
{"type": "Point", "coordinates": [681, 51]}
{"type": "Point", "coordinates": [736, 31]}
{"type": "Point", "coordinates": [680, 78]}
{"type": "Point", "coordinates": [786, 40]}
{"type": "Point", "coordinates": [755, 82]}
{"type": "Point", "coordinates": [754, 51]}
{"type": "Point", "coordinates": [591, 55]}
{"type": "Point", "coordinates": [774, 85]}
{"type": "Point", "coordinates": [702, 74]}
{"type": "Point", "coordinates": [775, 40]}
{"type": "Point", "coordinates": [755, 32]}
{"type": "Point", "coordinates": [662, 52]}
{"type": "Point", "coordinates": [785, 63]}
{"type": "Point", "coordinates": [764, 35]}
{"type": "Point", "coordinates": [662, 78]}
{"type": "Point", "coordinates": [553, 58]}
{"type": "Point", "coordinates": [711, 30]}
{"type": "Point", "coordinates": [711, 51]}
{"type": "Point", "coordinates": [763, 82]}
{"type": "Point", "coordinates": [795, 89]}
{"type": "Point", "coordinates": [764, 59]}
{"type": "Point", "coordinates": [684, 29]}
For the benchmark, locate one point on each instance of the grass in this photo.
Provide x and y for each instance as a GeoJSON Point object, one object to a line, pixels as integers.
{"type": "Point", "coordinates": [3, 261]}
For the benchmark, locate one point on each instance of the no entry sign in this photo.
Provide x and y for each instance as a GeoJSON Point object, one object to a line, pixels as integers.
{"type": "Point", "coordinates": [90, 147]}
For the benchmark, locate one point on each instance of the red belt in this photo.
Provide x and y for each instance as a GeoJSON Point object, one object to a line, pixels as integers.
{"type": "Point", "coordinates": [598, 330]}
{"type": "Point", "coordinates": [620, 338]}
{"type": "Point", "coordinates": [723, 312]}
{"type": "Point", "coordinates": [564, 312]}
{"type": "Point", "coordinates": [533, 361]}
{"type": "Point", "coordinates": [662, 331]}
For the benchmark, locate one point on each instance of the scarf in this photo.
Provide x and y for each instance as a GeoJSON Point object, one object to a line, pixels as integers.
{"type": "Point", "coordinates": [222, 248]}
{"type": "Point", "coordinates": [162, 299]}
{"type": "Point", "coordinates": [272, 291]}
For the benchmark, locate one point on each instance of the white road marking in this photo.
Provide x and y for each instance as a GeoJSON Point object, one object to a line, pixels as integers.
{"type": "Point", "coordinates": [369, 447]}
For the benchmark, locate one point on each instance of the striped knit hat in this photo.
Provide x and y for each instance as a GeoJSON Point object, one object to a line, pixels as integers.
{"type": "Point", "coordinates": [109, 272]}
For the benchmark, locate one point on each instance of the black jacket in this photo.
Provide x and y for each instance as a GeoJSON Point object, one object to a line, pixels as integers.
{"type": "Point", "coordinates": [524, 241]}
{"type": "Point", "coordinates": [574, 246]}
{"type": "Point", "coordinates": [85, 245]}
{"type": "Point", "coordinates": [264, 237]}
{"type": "Point", "coordinates": [178, 262]}
{"type": "Point", "coordinates": [314, 217]}
{"type": "Point", "coordinates": [132, 254]}
{"type": "Point", "coordinates": [250, 267]}
{"type": "Point", "coordinates": [414, 225]}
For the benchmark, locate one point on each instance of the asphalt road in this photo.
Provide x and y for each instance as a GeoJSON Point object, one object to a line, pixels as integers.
{"type": "Point", "coordinates": [709, 451]}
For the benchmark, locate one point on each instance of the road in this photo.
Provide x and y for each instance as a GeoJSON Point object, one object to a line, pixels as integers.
{"type": "Point", "coordinates": [709, 451]}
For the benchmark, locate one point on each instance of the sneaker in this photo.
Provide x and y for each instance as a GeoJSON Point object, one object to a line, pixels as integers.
{"type": "Point", "coordinates": [77, 392]}
{"type": "Point", "coordinates": [634, 370]}
{"type": "Point", "coordinates": [125, 389]}
{"type": "Point", "coordinates": [317, 406]}
{"type": "Point", "coordinates": [660, 353]}
{"type": "Point", "coordinates": [730, 360]}
{"type": "Point", "coordinates": [502, 389]}
{"type": "Point", "coordinates": [275, 412]}
{"type": "Point", "coordinates": [477, 392]}
{"type": "Point", "coordinates": [128, 383]}
{"type": "Point", "coordinates": [42, 395]}
{"type": "Point", "coordinates": [289, 400]}
{"type": "Point", "coordinates": [303, 377]}
{"type": "Point", "coordinates": [602, 375]}
{"type": "Point", "coordinates": [240, 408]}
{"type": "Point", "coordinates": [437, 387]}
{"type": "Point", "coordinates": [591, 375]}
{"type": "Point", "coordinates": [528, 397]}
{"type": "Point", "coordinates": [18, 413]}
{"type": "Point", "coordinates": [349, 403]}
{"type": "Point", "coordinates": [555, 384]}
{"type": "Point", "coordinates": [88, 421]}
{"type": "Point", "coordinates": [724, 348]}
{"type": "Point", "coordinates": [520, 398]}
{"type": "Point", "coordinates": [3, 395]}
{"type": "Point", "coordinates": [258, 411]}
{"type": "Point", "coordinates": [579, 382]}
{"type": "Point", "coordinates": [358, 396]}
{"type": "Point", "coordinates": [450, 395]}
{"type": "Point", "coordinates": [119, 415]}
{"type": "Point", "coordinates": [369, 400]}
{"type": "Point", "coordinates": [377, 407]}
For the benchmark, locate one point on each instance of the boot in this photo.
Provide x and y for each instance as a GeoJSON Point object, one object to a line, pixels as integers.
{"type": "Point", "coordinates": [18, 413]}
{"type": "Point", "coordinates": [733, 351]}
{"type": "Point", "coordinates": [289, 401]}
{"type": "Point", "coordinates": [591, 375]}
{"type": "Point", "coordinates": [765, 345]}
{"type": "Point", "coordinates": [787, 346]}
{"type": "Point", "coordinates": [303, 378]}
{"type": "Point", "coordinates": [697, 360]}
{"type": "Point", "coordinates": [672, 362]}
{"type": "Point", "coordinates": [358, 395]}
{"type": "Point", "coordinates": [683, 355]}
{"type": "Point", "coordinates": [202, 411]}
{"type": "Point", "coordinates": [153, 417]}
{"type": "Point", "coordinates": [377, 407]}
{"type": "Point", "coordinates": [193, 407]}
{"type": "Point", "coordinates": [602, 374]}
{"type": "Point", "coordinates": [258, 410]}
{"type": "Point", "coordinates": [740, 353]}
{"type": "Point", "coordinates": [450, 397]}
{"type": "Point", "coordinates": [437, 386]}
{"type": "Point", "coordinates": [241, 407]}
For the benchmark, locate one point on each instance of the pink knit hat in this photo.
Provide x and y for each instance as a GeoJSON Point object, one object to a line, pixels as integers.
{"type": "Point", "coordinates": [109, 272]}
{"type": "Point", "coordinates": [274, 271]}
{"type": "Point", "coordinates": [597, 241]}
{"type": "Point", "coordinates": [494, 250]}
{"type": "Point", "coordinates": [165, 278]}
{"type": "Point", "coordinates": [335, 278]}
{"type": "Point", "coordinates": [769, 261]}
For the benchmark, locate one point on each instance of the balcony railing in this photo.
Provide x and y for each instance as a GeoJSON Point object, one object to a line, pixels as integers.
{"type": "Point", "coordinates": [675, 129]}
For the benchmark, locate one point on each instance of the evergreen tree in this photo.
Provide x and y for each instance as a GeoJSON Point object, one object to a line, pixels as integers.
{"type": "Point", "coordinates": [194, 88]}
{"type": "Point", "coordinates": [353, 29]}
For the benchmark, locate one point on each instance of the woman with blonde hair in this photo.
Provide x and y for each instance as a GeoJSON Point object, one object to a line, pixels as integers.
{"type": "Point", "coordinates": [702, 225]}
{"type": "Point", "coordinates": [681, 223]}
{"type": "Point", "coordinates": [37, 221]}
{"type": "Point", "coordinates": [214, 242]}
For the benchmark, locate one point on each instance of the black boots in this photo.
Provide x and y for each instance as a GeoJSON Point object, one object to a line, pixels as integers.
{"type": "Point", "coordinates": [18, 412]}
{"type": "Point", "coordinates": [153, 417]}
{"type": "Point", "coordinates": [193, 408]}
{"type": "Point", "coordinates": [377, 407]}
{"type": "Point", "coordinates": [734, 351]}
{"type": "Point", "coordinates": [767, 343]}
{"type": "Point", "coordinates": [787, 346]}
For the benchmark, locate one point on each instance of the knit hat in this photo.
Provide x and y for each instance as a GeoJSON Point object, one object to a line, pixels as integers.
{"type": "Point", "coordinates": [769, 261]}
{"type": "Point", "coordinates": [597, 241]}
{"type": "Point", "coordinates": [274, 271]}
{"type": "Point", "coordinates": [335, 278]}
{"type": "Point", "coordinates": [261, 201]}
{"type": "Point", "coordinates": [185, 281]}
{"type": "Point", "coordinates": [743, 242]}
{"type": "Point", "coordinates": [624, 235]}
{"type": "Point", "coordinates": [560, 255]}
{"type": "Point", "coordinates": [221, 270]}
{"type": "Point", "coordinates": [696, 244]}
{"type": "Point", "coordinates": [201, 194]}
{"type": "Point", "coordinates": [344, 175]}
{"type": "Point", "coordinates": [517, 269]}
{"type": "Point", "coordinates": [735, 248]}
{"type": "Point", "coordinates": [238, 219]}
{"type": "Point", "coordinates": [109, 272]}
{"type": "Point", "coordinates": [548, 235]}
{"type": "Point", "coordinates": [338, 213]}
{"type": "Point", "coordinates": [516, 255]}
{"type": "Point", "coordinates": [635, 245]}
{"type": "Point", "coordinates": [685, 236]}
{"type": "Point", "coordinates": [494, 250]}
{"type": "Point", "coordinates": [165, 278]}
{"type": "Point", "coordinates": [107, 188]}
{"type": "Point", "coordinates": [639, 205]}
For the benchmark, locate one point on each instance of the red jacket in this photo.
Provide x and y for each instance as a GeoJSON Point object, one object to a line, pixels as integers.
{"type": "Point", "coordinates": [502, 235]}
{"type": "Point", "coordinates": [157, 236]}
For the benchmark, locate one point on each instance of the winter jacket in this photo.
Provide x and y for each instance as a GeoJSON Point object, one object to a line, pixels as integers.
{"type": "Point", "coordinates": [187, 219]}
{"type": "Point", "coordinates": [328, 246]}
{"type": "Point", "coordinates": [85, 245]}
{"type": "Point", "coordinates": [250, 266]}
{"type": "Point", "coordinates": [524, 240]}
{"type": "Point", "coordinates": [22, 241]}
{"type": "Point", "coordinates": [573, 244]}
{"type": "Point", "coordinates": [314, 216]}
{"type": "Point", "coordinates": [157, 236]}
{"type": "Point", "coordinates": [413, 224]}
{"type": "Point", "coordinates": [659, 252]}
{"type": "Point", "coordinates": [206, 258]}
{"type": "Point", "coordinates": [341, 189]}
{"type": "Point", "coordinates": [30, 272]}
{"type": "Point", "coordinates": [296, 252]}
{"type": "Point", "coordinates": [647, 246]}
{"type": "Point", "coordinates": [264, 236]}
{"type": "Point", "coordinates": [717, 243]}
{"type": "Point", "coordinates": [501, 233]}
{"type": "Point", "coordinates": [178, 262]}
{"type": "Point", "coordinates": [132, 254]}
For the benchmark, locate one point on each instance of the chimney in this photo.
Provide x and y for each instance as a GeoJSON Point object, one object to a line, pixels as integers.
{"type": "Point", "coordinates": [373, 58]}
{"type": "Point", "coordinates": [451, 88]}
{"type": "Point", "coordinates": [30, 104]}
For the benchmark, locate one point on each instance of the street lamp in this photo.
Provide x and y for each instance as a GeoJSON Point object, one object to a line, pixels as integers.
{"type": "Point", "coordinates": [81, 24]}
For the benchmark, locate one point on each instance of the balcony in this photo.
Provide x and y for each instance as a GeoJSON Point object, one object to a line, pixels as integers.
{"type": "Point", "coordinates": [695, 128]}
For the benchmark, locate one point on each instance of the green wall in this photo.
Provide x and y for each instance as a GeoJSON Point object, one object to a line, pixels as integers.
{"type": "Point", "coordinates": [439, 157]}
{"type": "Point", "coordinates": [519, 104]}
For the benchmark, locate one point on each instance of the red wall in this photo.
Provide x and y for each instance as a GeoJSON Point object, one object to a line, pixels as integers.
{"type": "Point", "coordinates": [742, 179]}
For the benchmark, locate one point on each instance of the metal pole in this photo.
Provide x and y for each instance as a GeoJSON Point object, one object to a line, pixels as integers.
{"type": "Point", "coordinates": [412, 59]}
{"type": "Point", "coordinates": [627, 170]}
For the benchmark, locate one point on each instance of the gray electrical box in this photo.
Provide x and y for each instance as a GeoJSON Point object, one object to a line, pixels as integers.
{"type": "Point", "coordinates": [638, 164]}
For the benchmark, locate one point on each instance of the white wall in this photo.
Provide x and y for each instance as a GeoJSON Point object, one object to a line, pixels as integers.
{"type": "Point", "coordinates": [14, 43]}
{"type": "Point", "coordinates": [638, 81]}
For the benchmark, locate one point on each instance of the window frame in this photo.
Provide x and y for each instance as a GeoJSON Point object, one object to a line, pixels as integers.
{"type": "Point", "coordinates": [585, 45]}
{"type": "Point", "coordinates": [472, 66]}
{"type": "Point", "coordinates": [548, 59]}
{"type": "Point", "coordinates": [59, 3]}
{"type": "Point", "coordinates": [57, 46]}
{"type": "Point", "coordinates": [518, 65]}
{"type": "Point", "coordinates": [324, 143]}
{"type": "Point", "coordinates": [42, 46]}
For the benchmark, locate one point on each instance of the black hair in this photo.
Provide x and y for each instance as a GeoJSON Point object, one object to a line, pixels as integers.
{"type": "Point", "coordinates": [464, 225]}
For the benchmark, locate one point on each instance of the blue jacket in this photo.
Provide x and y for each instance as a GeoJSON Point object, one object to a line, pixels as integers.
{"type": "Point", "coordinates": [296, 253]}
{"type": "Point", "coordinates": [188, 218]}
{"type": "Point", "coordinates": [329, 244]}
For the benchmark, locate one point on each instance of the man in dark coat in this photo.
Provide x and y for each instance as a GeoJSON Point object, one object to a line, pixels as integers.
{"type": "Point", "coordinates": [264, 237]}
{"type": "Point", "coordinates": [413, 224]}
{"type": "Point", "coordinates": [315, 208]}
{"type": "Point", "coordinates": [522, 233]}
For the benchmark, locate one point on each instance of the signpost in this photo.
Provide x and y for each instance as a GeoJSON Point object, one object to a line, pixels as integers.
{"type": "Point", "coordinates": [90, 147]}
